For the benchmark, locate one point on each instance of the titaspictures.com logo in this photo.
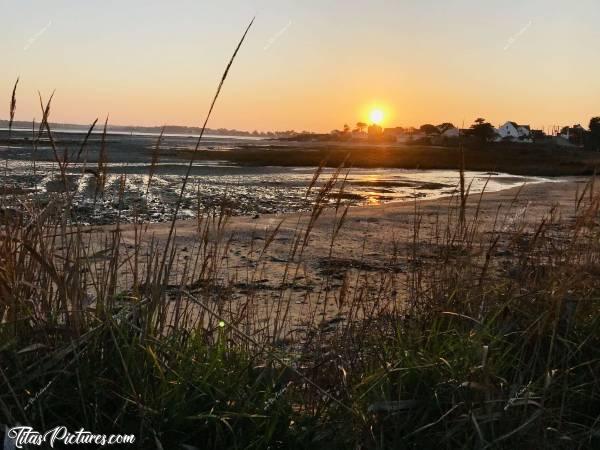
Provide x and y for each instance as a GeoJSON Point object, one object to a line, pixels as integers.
{"type": "Point", "coordinates": [22, 436]}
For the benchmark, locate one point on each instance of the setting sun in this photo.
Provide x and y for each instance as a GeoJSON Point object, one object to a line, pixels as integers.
{"type": "Point", "coordinates": [376, 116]}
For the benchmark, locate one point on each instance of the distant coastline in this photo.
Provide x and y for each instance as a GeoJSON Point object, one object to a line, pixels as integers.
{"type": "Point", "coordinates": [533, 159]}
{"type": "Point", "coordinates": [155, 130]}
{"type": "Point", "coordinates": [517, 159]}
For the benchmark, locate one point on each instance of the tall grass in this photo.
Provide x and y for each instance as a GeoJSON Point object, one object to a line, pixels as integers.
{"type": "Point", "coordinates": [467, 333]}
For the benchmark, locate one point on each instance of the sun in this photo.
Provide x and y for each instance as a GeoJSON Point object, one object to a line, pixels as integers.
{"type": "Point", "coordinates": [376, 116]}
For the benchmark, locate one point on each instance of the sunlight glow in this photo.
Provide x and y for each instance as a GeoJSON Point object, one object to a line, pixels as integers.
{"type": "Point", "coordinates": [376, 116]}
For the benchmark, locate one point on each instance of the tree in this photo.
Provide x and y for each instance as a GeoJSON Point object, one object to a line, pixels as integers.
{"type": "Point", "coordinates": [346, 128]}
{"type": "Point", "coordinates": [445, 126]}
{"type": "Point", "coordinates": [429, 129]}
{"type": "Point", "coordinates": [361, 126]}
{"type": "Point", "coordinates": [483, 130]}
{"type": "Point", "coordinates": [593, 141]}
{"type": "Point", "coordinates": [595, 126]}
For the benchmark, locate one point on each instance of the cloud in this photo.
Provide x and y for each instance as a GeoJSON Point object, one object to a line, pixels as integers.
{"type": "Point", "coordinates": [36, 36]}
{"type": "Point", "coordinates": [514, 38]}
{"type": "Point", "coordinates": [277, 35]}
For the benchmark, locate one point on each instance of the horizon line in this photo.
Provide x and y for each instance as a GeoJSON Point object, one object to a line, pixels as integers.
{"type": "Point", "coordinates": [236, 130]}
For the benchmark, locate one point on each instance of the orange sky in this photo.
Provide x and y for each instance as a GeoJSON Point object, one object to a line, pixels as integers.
{"type": "Point", "coordinates": [311, 65]}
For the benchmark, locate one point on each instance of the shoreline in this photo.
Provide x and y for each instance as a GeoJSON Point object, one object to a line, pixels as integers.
{"type": "Point", "coordinates": [245, 190]}
{"type": "Point", "coordinates": [528, 192]}
{"type": "Point", "coordinates": [373, 241]}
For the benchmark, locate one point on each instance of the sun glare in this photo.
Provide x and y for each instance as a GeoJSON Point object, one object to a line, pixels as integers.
{"type": "Point", "coordinates": [376, 116]}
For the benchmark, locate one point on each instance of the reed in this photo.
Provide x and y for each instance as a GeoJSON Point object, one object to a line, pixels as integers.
{"type": "Point", "coordinates": [12, 111]}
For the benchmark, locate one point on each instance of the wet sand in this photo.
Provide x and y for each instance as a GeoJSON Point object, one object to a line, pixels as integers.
{"type": "Point", "coordinates": [374, 242]}
{"type": "Point", "coordinates": [383, 222]}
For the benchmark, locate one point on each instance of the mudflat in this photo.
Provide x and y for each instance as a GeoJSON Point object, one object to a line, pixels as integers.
{"type": "Point", "coordinates": [293, 267]}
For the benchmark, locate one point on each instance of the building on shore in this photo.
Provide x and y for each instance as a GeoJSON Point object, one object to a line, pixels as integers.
{"type": "Point", "coordinates": [375, 131]}
{"type": "Point", "coordinates": [575, 134]}
{"type": "Point", "coordinates": [393, 133]}
{"type": "Point", "coordinates": [511, 131]}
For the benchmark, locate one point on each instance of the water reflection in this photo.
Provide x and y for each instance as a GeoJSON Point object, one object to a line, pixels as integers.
{"type": "Point", "coordinates": [244, 190]}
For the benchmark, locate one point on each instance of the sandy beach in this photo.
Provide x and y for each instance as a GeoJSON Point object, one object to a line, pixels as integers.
{"type": "Point", "coordinates": [384, 221]}
{"type": "Point", "coordinates": [374, 242]}
{"type": "Point", "coordinates": [378, 225]}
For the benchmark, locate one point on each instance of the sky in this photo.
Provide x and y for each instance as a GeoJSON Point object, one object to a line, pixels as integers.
{"type": "Point", "coordinates": [306, 65]}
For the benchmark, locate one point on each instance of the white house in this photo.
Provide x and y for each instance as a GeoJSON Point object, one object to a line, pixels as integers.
{"type": "Point", "coordinates": [512, 131]}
